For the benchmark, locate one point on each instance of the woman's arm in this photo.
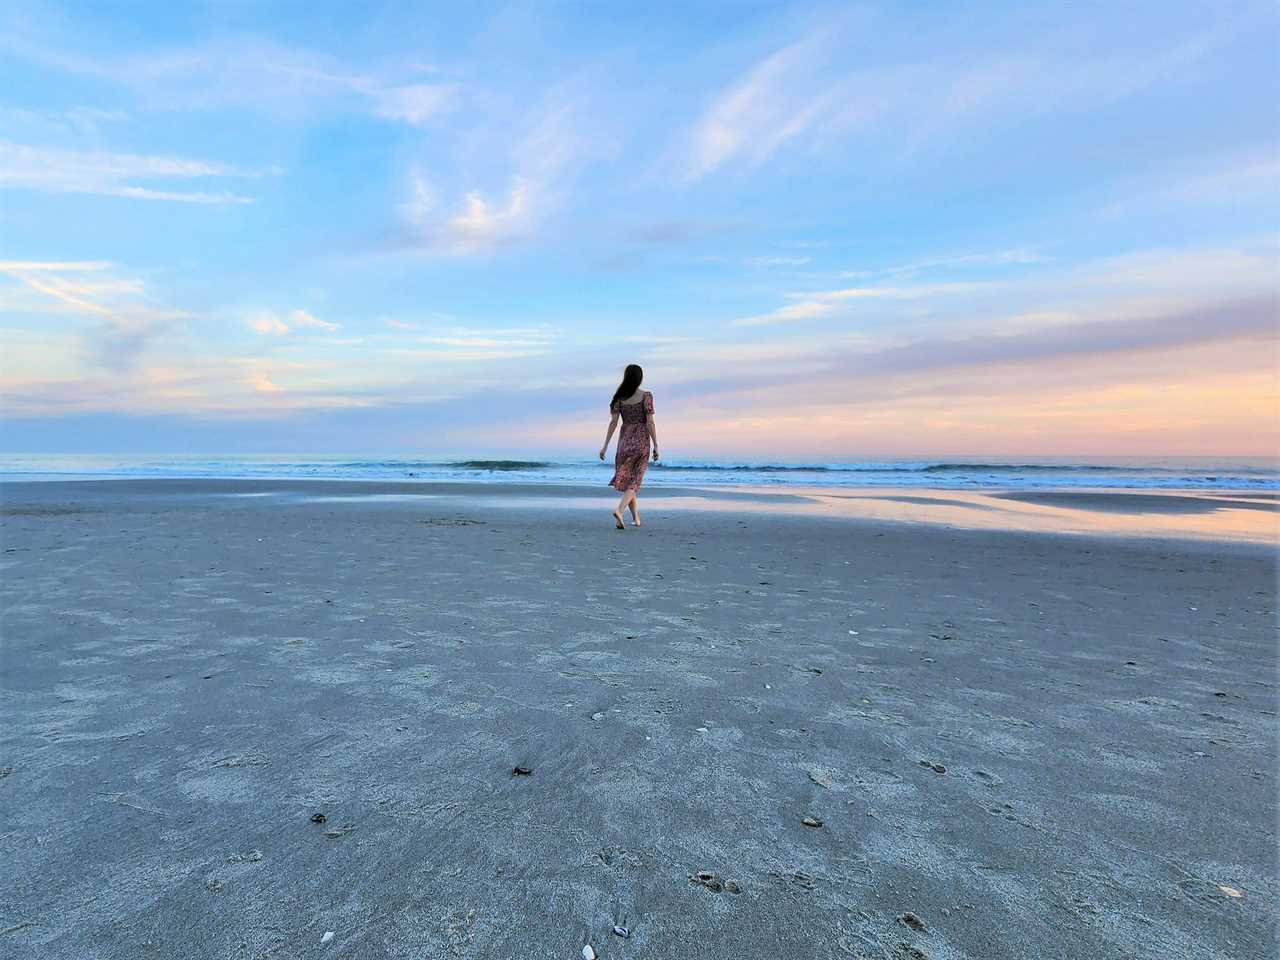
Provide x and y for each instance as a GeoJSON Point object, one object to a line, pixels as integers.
{"type": "Point", "coordinates": [653, 435]}
{"type": "Point", "coordinates": [613, 425]}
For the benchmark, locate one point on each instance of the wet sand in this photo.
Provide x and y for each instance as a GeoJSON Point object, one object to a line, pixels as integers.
{"type": "Point", "coordinates": [1012, 743]}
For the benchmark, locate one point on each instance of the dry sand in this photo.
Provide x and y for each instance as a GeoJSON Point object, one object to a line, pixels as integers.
{"type": "Point", "coordinates": [1017, 744]}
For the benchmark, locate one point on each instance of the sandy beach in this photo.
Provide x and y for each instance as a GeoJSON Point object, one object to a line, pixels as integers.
{"type": "Point", "coordinates": [757, 727]}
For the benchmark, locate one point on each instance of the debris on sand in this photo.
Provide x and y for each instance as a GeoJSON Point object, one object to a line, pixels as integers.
{"type": "Point", "coordinates": [935, 767]}
{"type": "Point", "coordinates": [341, 831]}
{"type": "Point", "coordinates": [317, 818]}
{"type": "Point", "coordinates": [253, 856]}
{"type": "Point", "coordinates": [250, 760]}
{"type": "Point", "coordinates": [598, 715]}
{"type": "Point", "coordinates": [811, 822]}
{"type": "Point", "coordinates": [622, 932]}
{"type": "Point", "coordinates": [588, 953]}
{"type": "Point", "coordinates": [213, 886]}
{"type": "Point", "coordinates": [1231, 892]}
{"type": "Point", "coordinates": [711, 882]}
{"type": "Point", "coordinates": [912, 921]}
{"type": "Point", "coordinates": [821, 777]}
{"type": "Point", "coordinates": [328, 935]}
{"type": "Point", "coordinates": [522, 772]}
{"type": "Point", "coordinates": [705, 878]}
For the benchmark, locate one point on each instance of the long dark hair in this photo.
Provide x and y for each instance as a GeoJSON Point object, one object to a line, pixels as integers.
{"type": "Point", "coordinates": [631, 378]}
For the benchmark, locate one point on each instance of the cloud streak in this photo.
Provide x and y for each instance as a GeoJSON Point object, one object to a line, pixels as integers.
{"type": "Point", "coordinates": [55, 170]}
{"type": "Point", "coordinates": [270, 323]}
{"type": "Point", "coordinates": [256, 73]}
{"type": "Point", "coordinates": [805, 94]}
{"type": "Point", "coordinates": [125, 319]}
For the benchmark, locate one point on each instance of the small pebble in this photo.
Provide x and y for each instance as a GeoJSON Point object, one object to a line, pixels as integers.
{"type": "Point", "coordinates": [328, 935]}
{"type": "Point", "coordinates": [317, 818]}
{"type": "Point", "coordinates": [588, 953]}
{"type": "Point", "coordinates": [597, 716]}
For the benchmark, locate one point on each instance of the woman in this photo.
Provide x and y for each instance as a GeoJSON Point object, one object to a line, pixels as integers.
{"type": "Point", "coordinates": [635, 407]}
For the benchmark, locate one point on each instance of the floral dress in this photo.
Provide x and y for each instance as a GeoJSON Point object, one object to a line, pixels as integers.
{"type": "Point", "coordinates": [632, 458]}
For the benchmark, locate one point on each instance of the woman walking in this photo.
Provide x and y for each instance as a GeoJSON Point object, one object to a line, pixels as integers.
{"type": "Point", "coordinates": [635, 408]}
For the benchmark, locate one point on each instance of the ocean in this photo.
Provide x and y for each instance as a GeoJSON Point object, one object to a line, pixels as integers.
{"type": "Point", "coordinates": [1220, 473]}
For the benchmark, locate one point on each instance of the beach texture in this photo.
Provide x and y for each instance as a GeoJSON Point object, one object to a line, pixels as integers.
{"type": "Point", "coordinates": [735, 735]}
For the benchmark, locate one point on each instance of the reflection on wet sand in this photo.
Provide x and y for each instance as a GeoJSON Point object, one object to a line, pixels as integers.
{"type": "Point", "coordinates": [1221, 515]}
{"type": "Point", "coordinates": [1203, 515]}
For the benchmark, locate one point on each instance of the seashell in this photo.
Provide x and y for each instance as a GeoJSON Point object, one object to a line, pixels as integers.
{"type": "Point", "coordinates": [821, 777]}
{"type": "Point", "coordinates": [588, 953]}
{"type": "Point", "coordinates": [811, 822]}
{"type": "Point", "coordinates": [622, 932]}
{"type": "Point", "coordinates": [328, 935]}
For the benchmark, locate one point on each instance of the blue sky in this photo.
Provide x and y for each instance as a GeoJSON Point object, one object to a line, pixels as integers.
{"type": "Point", "coordinates": [823, 229]}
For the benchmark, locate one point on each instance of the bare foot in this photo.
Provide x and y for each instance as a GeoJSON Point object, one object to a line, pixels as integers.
{"type": "Point", "coordinates": [617, 518]}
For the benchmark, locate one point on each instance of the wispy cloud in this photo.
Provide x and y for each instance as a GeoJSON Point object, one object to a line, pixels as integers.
{"type": "Point", "coordinates": [413, 103]}
{"type": "Point", "coordinates": [254, 72]}
{"type": "Point", "coordinates": [126, 318]}
{"type": "Point", "coordinates": [77, 122]}
{"type": "Point", "coordinates": [55, 170]}
{"type": "Point", "coordinates": [819, 303]}
{"type": "Point", "coordinates": [966, 260]}
{"type": "Point", "coordinates": [774, 103]}
{"type": "Point", "coordinates": [271, 323]}
{"type": "Point", "coordinates": [777, 261]}
{"type": "Point", "coordinates": [544, 158]}
{"type": "Point", "coordinates": [1243, 178]}
{"type": "Point", "coordinates": [807, 93]}
{"type": "Point", "coordinates": [481, 224]}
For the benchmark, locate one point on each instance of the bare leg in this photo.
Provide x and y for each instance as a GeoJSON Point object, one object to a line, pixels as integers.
{"type": "Point", "coordinates": [635, 508]}
{"type": "Point", "coordinates": [617, 513]}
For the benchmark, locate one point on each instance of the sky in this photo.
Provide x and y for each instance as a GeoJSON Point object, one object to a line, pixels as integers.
{"type": "Point", "coordinates": [824, 230]}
